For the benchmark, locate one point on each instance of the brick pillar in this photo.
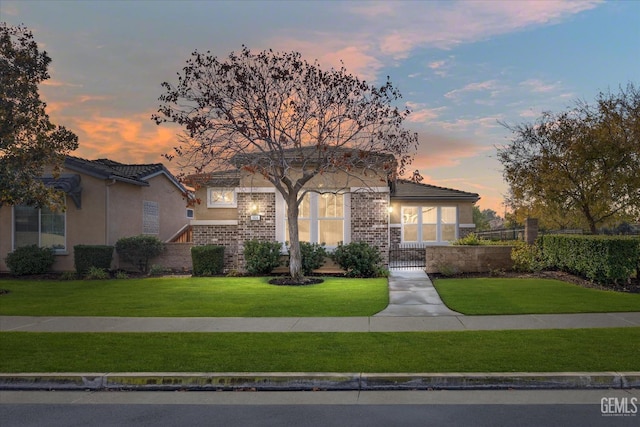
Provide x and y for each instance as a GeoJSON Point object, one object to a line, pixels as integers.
{"type": "Point", "coordinates": [530, 230]}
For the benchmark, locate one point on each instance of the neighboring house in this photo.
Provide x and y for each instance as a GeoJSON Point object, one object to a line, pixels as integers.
{"type": "Point", "coordinates": [106, 201]}
{"type": "Point", "coordinates": [365, 205]}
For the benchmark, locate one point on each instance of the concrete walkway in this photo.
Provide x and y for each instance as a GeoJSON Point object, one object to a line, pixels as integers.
{"type": "Point", "coordinates": [411, 294]}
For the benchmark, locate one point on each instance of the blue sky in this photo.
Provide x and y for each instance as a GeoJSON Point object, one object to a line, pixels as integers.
{"type": "Point", "coordinates": [462, 67]}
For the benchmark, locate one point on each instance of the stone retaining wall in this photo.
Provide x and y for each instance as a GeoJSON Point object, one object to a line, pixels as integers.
{"type": "Point", "coordinates": [467, 259]}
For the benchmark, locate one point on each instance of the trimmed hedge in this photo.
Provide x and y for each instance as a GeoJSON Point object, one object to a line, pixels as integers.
{"type": "Point", "coordinates": [87, 256]}
{"type": "Point", "coordinates": [139, 250]}
{"type": "Point", "coordinates": [207, 260]}
{"type": "Point", "coordinates": [30, 259]}
{"type": "Point", "coordinates": [261, 256]}
{"type": "Point", "coordinates": [603, 259]}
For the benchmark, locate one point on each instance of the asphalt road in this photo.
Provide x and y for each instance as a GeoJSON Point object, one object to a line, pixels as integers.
{"type": "Point", "coordinates": [398, 408]}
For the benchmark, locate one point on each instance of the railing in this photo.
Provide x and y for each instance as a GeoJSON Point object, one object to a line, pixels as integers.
{"type": "Point", "coordinates": [184, 235]}
{"type": "Point", "coordinates": [502, 234]}
{"type": "Point", "coordinates": [407, 255]}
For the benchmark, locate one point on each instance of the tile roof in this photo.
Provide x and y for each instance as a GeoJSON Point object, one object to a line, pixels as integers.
{"type": "Point", "coordinates": [137, 174]}
{"type": "Point", "coordinates": [408, 190]}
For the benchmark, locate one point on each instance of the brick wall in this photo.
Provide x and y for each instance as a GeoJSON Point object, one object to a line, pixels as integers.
{"type": "Point", "coordinates": [370, 221]}
{"type": "Point", "coordinates": [248, 229]}
{"type": "Point", "coordinates": [467, 259]}
{"type": "Point", "coordinates": [223, 235]}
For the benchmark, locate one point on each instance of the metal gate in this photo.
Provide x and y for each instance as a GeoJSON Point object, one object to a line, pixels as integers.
{"type": "Point", "coordinates": [407, 256]}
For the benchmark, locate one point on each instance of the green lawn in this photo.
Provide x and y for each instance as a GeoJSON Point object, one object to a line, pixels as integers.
{"type": "Point", "coordinates": [193, 297]}
{"type": "Point", "coordinates": [529, 296]}
{"type": "Point", "coordinates": [614, 349]}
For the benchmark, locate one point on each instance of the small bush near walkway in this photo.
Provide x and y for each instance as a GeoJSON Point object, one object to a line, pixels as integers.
{"type": "Point", "coordinates": [359, 259]}
{"type": "Point", "coordinates": [28, 260]}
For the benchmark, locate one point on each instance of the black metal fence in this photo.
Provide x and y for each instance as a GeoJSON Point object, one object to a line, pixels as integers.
{"type": "Point", "coordinates": [407, 255]}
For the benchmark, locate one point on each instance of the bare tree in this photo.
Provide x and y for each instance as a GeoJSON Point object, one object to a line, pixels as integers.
{"type": "Point", "coordinates": [279, 116]}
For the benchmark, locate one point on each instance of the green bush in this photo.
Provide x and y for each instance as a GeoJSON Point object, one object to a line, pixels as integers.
{"type": "Point", "coordinates": [261, 256]}
{"type": "Point", "coordinates": [527, 258]}
{"type": "Point", "coordinates": [87, 256]}
{"type": "Point", "coordinates": [30, 260]}
{"type": "Point", "coordinates": [207, 260]}
{"type": "Point", "coordinates": [603, 259]}
{"type": "Point", "coordinates": [312, 255]}
{"type": "Point", "coordinates": [95, 273]}
{"type": "Point", "coordinates": [359, 259]}
{"type": "Point", "coordinates": [470, 239]}
{"type": "Point", "coordinates": [139, 250]}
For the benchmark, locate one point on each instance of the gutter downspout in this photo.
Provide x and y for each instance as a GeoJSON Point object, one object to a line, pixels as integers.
{"type": "Point", "coordinates": [107, 219]}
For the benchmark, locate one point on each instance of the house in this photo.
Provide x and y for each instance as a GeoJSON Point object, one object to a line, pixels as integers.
{"type": "Point", "coordinates": [105, 201]}
{"type": "Point", "coordinates": [364, 204]}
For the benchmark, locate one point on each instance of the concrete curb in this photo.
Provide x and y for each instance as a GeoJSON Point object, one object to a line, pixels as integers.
{"type": "Point", "coordinates": [270, 381]}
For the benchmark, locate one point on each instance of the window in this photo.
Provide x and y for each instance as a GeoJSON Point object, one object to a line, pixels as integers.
{"type": "Point", "coordinates": [321, 219]}
{"type": "Point", "coordinates": [429, 224]}
{"type": "Point", "coordinates": [42, 227]}
{"type": "Point", "coordinates": [190, 213]}
{"type": "Point", "coordinates": [221, 198]}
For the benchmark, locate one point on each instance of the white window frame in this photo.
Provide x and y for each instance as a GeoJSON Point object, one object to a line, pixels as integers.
{"type": "Point", "coordinates": [420, 223]}
{"type": "Point", "coordinates": [56, 251]}
{"type": "Point", "coordinates": [314, 218]}
{"type": "Point", "coordinates": [212, 204]}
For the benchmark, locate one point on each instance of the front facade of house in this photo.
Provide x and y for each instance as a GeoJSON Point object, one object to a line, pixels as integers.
{"type": "Point", "coordinates": [237, 206]}
{"type": "Point", "coordinates": [105, 201]}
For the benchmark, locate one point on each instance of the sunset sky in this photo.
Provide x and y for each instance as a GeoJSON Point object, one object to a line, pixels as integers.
{"type": "Point", "coordinates": [462, 67]}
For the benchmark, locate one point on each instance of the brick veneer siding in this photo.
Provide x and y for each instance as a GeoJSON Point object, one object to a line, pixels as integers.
{"type": "Point", "coordinates": [224, 235]}
{"type": "Point", "coordinates": [370, 221]}
{"type": "Point", "coordinates": [248, 229]}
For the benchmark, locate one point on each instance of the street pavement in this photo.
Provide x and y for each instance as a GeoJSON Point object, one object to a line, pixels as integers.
{"type": "Point", "coordinates": [414, 306]}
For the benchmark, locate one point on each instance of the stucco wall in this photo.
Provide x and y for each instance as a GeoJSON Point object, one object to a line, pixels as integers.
{"type": "Point", "coordinates": [109, 211]}
{"type": "Point", "coordinates": [467, 259]}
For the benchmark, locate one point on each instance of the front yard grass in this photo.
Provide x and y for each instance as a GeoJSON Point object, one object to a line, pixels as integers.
{"type": "Point", "coordinates": [193, 297]}
{"type": "Point", "coordinates": [588, 350]}
{"type": "Point", "coordinates": [478, 296]}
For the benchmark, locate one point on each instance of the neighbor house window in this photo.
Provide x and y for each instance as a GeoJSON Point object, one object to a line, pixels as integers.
{"type": "Point", "coordinates": [320, 219]}
{"type": "Point", "coordinates": [429, 224]}
{"type": "Point", "coordinates": [42, 227]}
{"type": "Point", "coordinates": [221, 198]}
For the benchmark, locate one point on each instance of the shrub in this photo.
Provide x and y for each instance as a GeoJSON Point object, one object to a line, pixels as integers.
{"type": "Point", "coordinates": [87, 256]}
{"type": "Point", "coordinates": [604, 259]}
{"type": "Point", "coordinates": [358, 259]}
{"type": "Point", "coordinates": [312, 255]}
{"type": "Point", "coordinates": [207, 260]}
{"type": "Point", "coordinates": [95, 273]}
{"type": "Point", "coordinates": [30, 260]}
{"type": "Point", "coordinates": [470, 239]}
{"type": "Point", "coordinates": [261, 256]}
{"type": "Point", "coordinates": [68, 275]}
{"type": "Point", "coordinates": [139, 250]}
{"type": "Point", "coordinates": [121, 275]}
{"type": "Point", "coordinates": [157, 270]}
{"type": "Point", "coordinates": [527, 258]}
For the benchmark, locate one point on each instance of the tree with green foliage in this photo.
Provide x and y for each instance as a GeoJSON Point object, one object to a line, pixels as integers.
{"type": "Point", "coordinates": [29, 142]}
{"type": "Point", "coordinates": [579, 167]}
{"type": "Point", "coordinates": [287, 121]}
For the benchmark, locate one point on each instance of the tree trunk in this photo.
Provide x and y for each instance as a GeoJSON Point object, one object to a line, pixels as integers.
{"type": "Point", "coordinates": [295, 258]}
